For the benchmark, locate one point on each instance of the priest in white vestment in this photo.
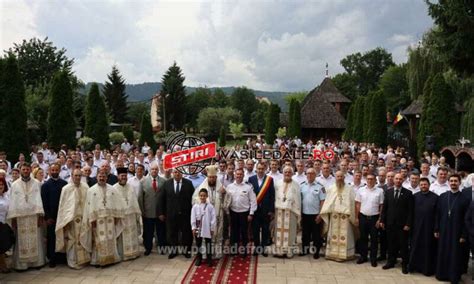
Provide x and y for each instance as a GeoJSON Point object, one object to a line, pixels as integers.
{"type": "Point", "coordinates": [216, 195]}
{"type": "Point", "coordinates": [102, 222]}
{"type": "Point", "coordinates": [287, 214]}
{"type": "Point", "coordinates": [68, 223]}
{"type": "Point", "coordinates": [129, 242]}
{"type": "Point", "coordinates": [338, 214]}
{"type": "Point", "coordinates": [26, 216]}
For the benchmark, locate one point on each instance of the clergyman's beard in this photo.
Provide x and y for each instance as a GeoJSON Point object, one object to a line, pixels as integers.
{"type": "Point", "coordinates": [339, 184]}
{"type": "Point", "coordinates": [211, 184]}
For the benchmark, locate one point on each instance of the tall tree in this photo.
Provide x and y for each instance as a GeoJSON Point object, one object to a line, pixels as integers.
{"type": "Point", "coordinates": [394, 87]}
{"type": "Point", "coordinates": [377, 128]}
{"type": "Point", "coordinates": [454, 33]}
{"type": "Point", "coordinates": [349, 131]}
{"type": "Point", "coordinates": [97, 125]}
{"type": "Point", "coordinates": [135, 112]}
{"type": "Point", "coordinates": [172, 85]}
{"type": "Point", "coordinates": [146, 131]}
{"type": "Point", "coordinates": [425, 126]}
{"type": "Point", "coordinates": [195, 102]}
{"type": "Point", "coordinates": [441, 113]}
{"type": "Point", "coordinates": [468, 120]}
{"type": "Point", "coordinates": [291, 117]}
{"type": "Point", "coordinates": [13, 125]}
{"type": "Point", "coordinates": [359, 109]}
{"type": "Point", "coordinates": [61, 123]}
{"type": "Point", "coordinates": [115, 96]}
{"type": "Point", "coordinates": [219, 99]}
{"type": "Point", "coordinates": [299, 96]}
{"type": "Point", "coordinates": [297, 120]}
{"type": "Point", "coordinates": [366, 116]}
{"type": "Point", "coordinates": [257, 121]}
{"type": "Point", "coordinates": [39, 60]}
{"type": "Point", "coordinates": [367, 68]}
{"type": "Point", "coordinates": [346, 84]}
{"type": "Point", "coordinates": [222, 138]}
{"type": "Point", "coordinates": [211, 120]}
{"type": "Point", "coordinates": [272, 123]}
{"type": "Point", "coordinates": [243, 99]}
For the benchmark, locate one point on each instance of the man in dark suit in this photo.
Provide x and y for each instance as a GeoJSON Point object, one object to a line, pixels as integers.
{"type": "Point", "coordinates": [175, 204]}
{"type": "Point", "coordinates": [397, 219]}
{"type": "Point", "coordinates": [150, 188]}
{"type": "Point", "coordinates": [265, 192]}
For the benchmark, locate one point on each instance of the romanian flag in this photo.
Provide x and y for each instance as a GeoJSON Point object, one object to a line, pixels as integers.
{"type": "Point", "coordinates": [397, 118]}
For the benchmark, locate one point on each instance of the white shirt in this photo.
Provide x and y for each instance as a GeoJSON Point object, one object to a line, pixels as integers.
{"type": "Point", "coordinates": [434, 170]}
{"type": "Point", "coordinates": [205, 214]}
{"type": "Point", "coordinates": [431, 178]}
{"type": "Point", "coordinates": [243, 197]}
{"type": "Point", "coordinates": [4, 203]}
{"type": "Point", "coordinates": [348, 178]}
{"type": "Point", "coordinates": [326, 182]}
{"type": "Point", "coordinates": [299, 178]}
{"type": "Point", "coordinates": [438, 188]}
{"type": "Point", "coordinates": [370, 200]}
{"type": "Point", "coordinates": [413, 190]}
{"type": "Point", "coordinates": [134, 182]}
{"type": "Point", "coordinates": [276, 176]}
{"type": "Point", "coordinates": [248, 174]}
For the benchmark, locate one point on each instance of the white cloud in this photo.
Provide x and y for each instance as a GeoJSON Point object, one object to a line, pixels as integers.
{"type": "Point", "coordinates": [261, 44]}
{"type": "Point", "coordinates": [17, 22]}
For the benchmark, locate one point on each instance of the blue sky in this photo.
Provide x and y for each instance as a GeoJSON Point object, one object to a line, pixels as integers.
{"type": "Point", "coordinates": [266, 45]}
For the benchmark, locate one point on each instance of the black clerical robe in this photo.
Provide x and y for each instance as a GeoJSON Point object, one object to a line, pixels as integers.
{"type": "Point", "coordinates": [423, 242]}
{"type": "Point", "coordinates": [450, 214]}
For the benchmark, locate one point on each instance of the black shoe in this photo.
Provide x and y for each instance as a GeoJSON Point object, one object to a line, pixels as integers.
{"type": "Point", "coordinates": [388, 266]}
{"type": "Point", "coordinates": [264, 254]}
{"type": "Point", "coordinates": [381, 258]}
{"type": "Point", "coordinates": [147, 253]}
{"type": "Point", "coordinates": [187, 255]}
{"type": "Point", "coordinates": [171, 255]}
{"type": "Point", "coordinates": [404, 269]}
{"type": "Point", "coordinates": [198, 261]}
{"type": "Point", "coordinates": [52, 264]}
{"type": "Point", "coordinates": [255, 253]}
{"type": "Point", "coordinates": [209, 262]}
{"type": "Point", "coordinates": [373, 263]}
{"type": "Point", "coordinates": [316, 255]}
{"type": "Point", "coordinates": [361, 260]}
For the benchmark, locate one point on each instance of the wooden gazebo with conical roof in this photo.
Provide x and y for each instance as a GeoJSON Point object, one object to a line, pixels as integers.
{"type": "Point", "coordinates": [322, 112]}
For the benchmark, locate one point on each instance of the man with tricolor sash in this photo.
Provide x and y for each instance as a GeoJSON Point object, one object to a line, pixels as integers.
{"type": "Point", "coordinates": [265, 192]}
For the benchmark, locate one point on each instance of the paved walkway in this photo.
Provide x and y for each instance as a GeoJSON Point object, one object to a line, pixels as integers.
{"type": "Point", "coordinates": [158, 269]}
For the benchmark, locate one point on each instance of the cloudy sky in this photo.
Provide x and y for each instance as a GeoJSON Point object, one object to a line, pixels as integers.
{"type": "Point", "coordinates": [267, 45]}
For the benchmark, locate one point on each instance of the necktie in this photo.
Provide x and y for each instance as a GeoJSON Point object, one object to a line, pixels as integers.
{"type": "Point", "coordinates": [154, 185]}
{"type": "Point", "coordinates": [397, 192]}
{"type": "Point", "coordinates": [177, 187]}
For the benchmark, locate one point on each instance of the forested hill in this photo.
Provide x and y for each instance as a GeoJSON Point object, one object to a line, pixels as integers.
{"type": "Point", "coordinates": [144, 91]}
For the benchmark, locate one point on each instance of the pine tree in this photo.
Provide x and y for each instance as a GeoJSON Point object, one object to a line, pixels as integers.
{"type": "Point", "coordinates": [115, 96]}
{"type": "Point", "coordinates": [172, 85]}
{"type": "Point", "coordinates": [222, 138]}
{"type": "Point", "coordinates": [291, 119]}
{"type": "Point", "coordinates": [97, 126]}
{"type": "Point", "coordinates": [377, 129]}
{"type": "Point", "coordinates": [13, 125]}
{"type": "Point", "coordinates": [349, 132]}
{"type": "Point", "coordinates": [146, 131]}
{"type": "Point", "coordinates": [61, 124]}
{"type": "Point", "coordinates": [359, 119]}
{"type": "Point", "coordinates": [297, 119]}
{"type": "Point", "coordinates": [425, 125]}
{"type": "Point", "coordinates": [127, 131]}
{"type": "Point", "coordinates": [272, 123]}
{"type": "Point", "coordinates": [441, 113]}
{"type": "Point", "coordinates": [366, 114]}
{"type": "Point", "coordinates": [468, 120]}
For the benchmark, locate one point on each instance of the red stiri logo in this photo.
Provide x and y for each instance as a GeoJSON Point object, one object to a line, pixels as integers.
{"type": "Point", "coordinates": [190, 156]}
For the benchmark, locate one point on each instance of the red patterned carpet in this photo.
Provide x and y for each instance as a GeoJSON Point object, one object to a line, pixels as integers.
{"type": "Point", "coordinates": [229, 269]}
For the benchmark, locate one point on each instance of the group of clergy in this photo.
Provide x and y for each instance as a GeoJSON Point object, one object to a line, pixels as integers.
{"type": "Point", "coordinates": [100, 225]}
